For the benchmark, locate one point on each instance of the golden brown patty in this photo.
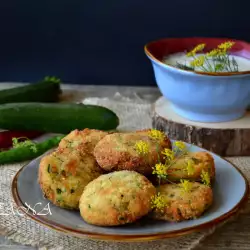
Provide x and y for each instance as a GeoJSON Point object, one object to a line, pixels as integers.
{"type": "Point", "coordinates": [117, 198]}
{"type": "Point", "coordinates": [124, 151]}
{"type": "Point", "coordinates": [183, 205]}
{"type": "Point", "coordinates": [84, 140]}
{"type": "Point", "coordinates": [200, 161]}
{"type": "Point", "coordinates": [63, 176]}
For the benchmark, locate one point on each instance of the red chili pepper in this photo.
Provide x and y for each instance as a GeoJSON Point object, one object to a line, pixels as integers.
{"type": "Point", "coordinates": [6, 137]}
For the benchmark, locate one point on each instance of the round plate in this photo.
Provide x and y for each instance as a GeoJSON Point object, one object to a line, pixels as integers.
{"type": "Point", "coordinates": [230, 192]}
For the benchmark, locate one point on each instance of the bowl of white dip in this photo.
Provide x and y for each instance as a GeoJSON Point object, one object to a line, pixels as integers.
{"type": "Point", "coordinates": [213, 92]}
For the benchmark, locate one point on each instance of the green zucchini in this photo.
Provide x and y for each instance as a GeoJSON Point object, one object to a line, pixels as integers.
{"type": "Point", "coordinates": [47, 90]}
{"type": "Point", "coordinates": [56, 117]}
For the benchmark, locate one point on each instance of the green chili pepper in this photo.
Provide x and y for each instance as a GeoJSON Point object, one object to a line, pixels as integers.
{"type": "Point", "coordinates": [24, 153]}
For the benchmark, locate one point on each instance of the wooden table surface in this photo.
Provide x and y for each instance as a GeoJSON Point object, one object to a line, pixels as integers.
{"type": "Point", "coordinates": [79, 92]}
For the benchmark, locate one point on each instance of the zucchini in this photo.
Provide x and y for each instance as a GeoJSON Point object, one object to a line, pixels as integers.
{"type": "Point", "coordinates": [56, 117]}
{"type": "Point", "coordinates": [47, 90]}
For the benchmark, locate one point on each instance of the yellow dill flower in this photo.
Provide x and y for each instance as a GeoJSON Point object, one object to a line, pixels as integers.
{"type": "Point", "coordinates": [198, 62]}
{"type": "Point", "coordinates": [190, 54]}
{"type": "Point", "coordinates": [180, 145]}
{"type": "Point", "coordinates": [213, 52]}
{"type": "Point", "coordinates": [222, 53]}
{"type": "Point", "coordinates": [216, 52]}
{"type": "Point", "coordinates": [190, 167]}
{"type": "Point", "coordinates": [198, 48]}
{"type": "Point", "coordinates": [156, 134]}
{"type": "Point", "coordinates": [160, 170]}
{"type": "Point", "coordinates": [158, 202]}
{"type": "Point", "coordinates": [205, 178]}
{"type": "Point", "coordinates": [186, 185]}
{"type": "Point", "coordinates": [168, 154]}
{"type": "Point", "coordinates": [226, 46]}
{"type": "Point", "coordinates": [141, 147]}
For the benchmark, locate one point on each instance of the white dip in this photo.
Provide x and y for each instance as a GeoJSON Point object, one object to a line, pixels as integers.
{"type": "Point", "coordinates": [243, 63]}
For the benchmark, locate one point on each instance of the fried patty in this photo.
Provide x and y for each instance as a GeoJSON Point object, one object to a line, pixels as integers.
{"type": "Point", "coordinates": [136, 151]}
{"type": "Point", "coordinates": [63, 176]}
{"type": "Point", "coordinates": [181, 204]}
{"type": "Point", "coordinates": [85, 140]}
{"type": "Point", "coordinates": [200, 161]}
{"type": "Point", "coordinates": [116, 198]}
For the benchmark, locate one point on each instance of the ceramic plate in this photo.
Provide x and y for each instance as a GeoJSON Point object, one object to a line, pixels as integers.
{"type": "Point", "coordinates": [230, 192]}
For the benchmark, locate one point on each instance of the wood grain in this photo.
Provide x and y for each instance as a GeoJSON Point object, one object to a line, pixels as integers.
{"type": "Point", "coordinates": [225, 139]}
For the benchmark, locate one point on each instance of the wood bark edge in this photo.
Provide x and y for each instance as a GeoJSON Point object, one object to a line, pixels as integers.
{"type": "Point", "coordinates": [224, 142]}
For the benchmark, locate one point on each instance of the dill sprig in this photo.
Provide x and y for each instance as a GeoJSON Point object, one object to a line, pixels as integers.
{"type": "Point", "coordinates": [16, 143]}
{"type": "Point", "coordinates": [186, 185]}
{"type": "Point", "coordinates": [159, 202]}
{"type": "Point", "coordinates": [215, 60]}
{"type": "Point", "coordinates": [141, 147]}
{"type": "Point", "coordinates": [166, 159]}
{"type": "Point", "coordinates": [183, 66]}
{"type": "Point", "coordinates": [171, 156]}
{"type": "Point", "coordinates": [205, 178]}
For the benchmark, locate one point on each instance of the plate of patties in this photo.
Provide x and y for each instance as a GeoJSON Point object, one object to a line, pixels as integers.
{"type": "Point", "coordinates": [128, 186]}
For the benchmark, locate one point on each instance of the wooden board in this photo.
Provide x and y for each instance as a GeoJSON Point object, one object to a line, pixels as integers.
{"type": "Point", "coordinates": [226, 139]}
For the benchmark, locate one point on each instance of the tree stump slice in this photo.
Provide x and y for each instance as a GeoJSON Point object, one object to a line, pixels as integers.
{"type": "Point", "coordinates": [225, 139]}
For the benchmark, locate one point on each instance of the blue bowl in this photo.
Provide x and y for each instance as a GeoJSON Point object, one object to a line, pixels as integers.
{"type": "Point", "coordinates": [201, 96]}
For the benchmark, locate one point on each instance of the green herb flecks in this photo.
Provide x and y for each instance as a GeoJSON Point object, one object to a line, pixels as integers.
{"type": "Point", "coordinates": [58, 191]}
{"type": "Point", "coordinates": [49, 168]}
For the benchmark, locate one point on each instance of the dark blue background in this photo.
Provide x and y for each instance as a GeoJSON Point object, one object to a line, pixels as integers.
{"type": "Point", "coordinates": [101, 42]}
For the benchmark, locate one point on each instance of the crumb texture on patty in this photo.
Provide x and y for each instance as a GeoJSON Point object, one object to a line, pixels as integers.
{"type": "Point", "coordinates": [107, 176]}
{"type": "Point", "coordinates": [85, 139]}
{"type": "Point", "coordinates": [181, 204]}
{"type": "Point", "coordinates": [63, 176]}
{"type": "Point", "coordinates": [201, 161]}
{"type": "Point", "coordinates": [116, 198]}
{"type": "Point", "coordinates": [135, 151]}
